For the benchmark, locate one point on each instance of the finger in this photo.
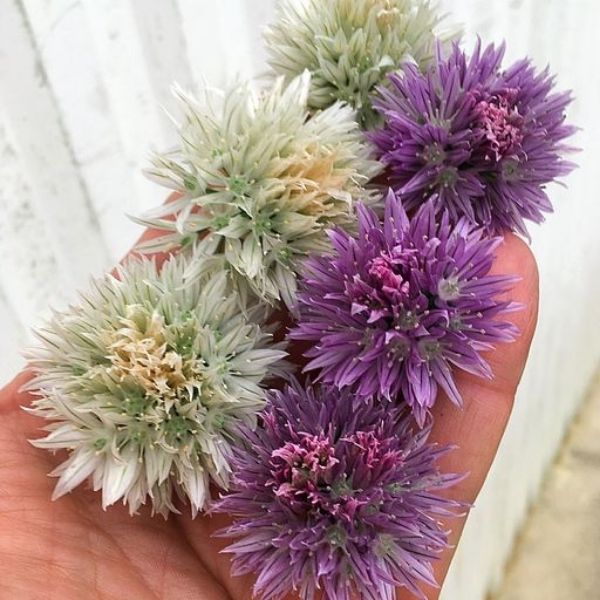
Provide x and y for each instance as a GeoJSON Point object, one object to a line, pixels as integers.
{"type": "Point", "coordinates": [477, 428]}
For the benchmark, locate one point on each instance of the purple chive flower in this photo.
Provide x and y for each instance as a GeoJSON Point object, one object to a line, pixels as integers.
{"type": "Point", "coordinates": [392, 310]}
{"type": "Point", "coordinates": [336, 495]}
{"type": "Point", "coordinates": [482, 141]}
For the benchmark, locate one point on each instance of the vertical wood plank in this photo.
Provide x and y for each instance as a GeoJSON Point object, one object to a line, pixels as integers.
{"type": "Point", "coordinates": [136, 109]}
{"type": "Point", "coordinates": [36, 127]}
{"type": "Point", "coordinates": [164, 50]}
{"type": "Point", "coordinates": [73, 74]}
{"type": "Point", "coordinates": [218, 40]}
{"type": "Point", "coordinates": [256, 16]}
{"type": "Point", "coordinates": [30, 277]}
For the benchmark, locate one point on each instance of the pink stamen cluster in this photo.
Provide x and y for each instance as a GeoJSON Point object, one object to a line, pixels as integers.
{"type": "Point", "coordinates": [500, 123]}
{"type": "Point", "coordinates": [387, 290]}
{"type": "Point", "coordinates": [302, 470]}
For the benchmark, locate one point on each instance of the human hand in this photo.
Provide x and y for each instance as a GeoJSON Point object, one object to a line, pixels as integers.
{"type": "Point", "coordinates": [72, 549]}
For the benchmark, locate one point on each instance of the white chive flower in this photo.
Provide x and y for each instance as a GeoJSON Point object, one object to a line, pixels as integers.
{"type": "Point", "coordinates": [260, 184]}
{"type": "Point", "coordinates": [349, 46]}
{"type": "Point", "coordinates": [145, 382]}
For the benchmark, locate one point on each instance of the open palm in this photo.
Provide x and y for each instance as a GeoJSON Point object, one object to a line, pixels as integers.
{"type": "Point", "coordinates": [73, 550]}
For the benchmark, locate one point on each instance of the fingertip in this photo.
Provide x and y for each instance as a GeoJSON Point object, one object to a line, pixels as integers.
{"type": "Point", "coordinates": [514, 257]}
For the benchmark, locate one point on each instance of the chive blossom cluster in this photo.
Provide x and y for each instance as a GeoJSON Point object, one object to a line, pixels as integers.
{"type": "Point", "coordinates": [259, 183]}
{"type": "Point", "coordinates": [336, 495]}
{"type": "Point", "coordinates": [393, 309]}
{"type": "Point", "coordinates": [482, 141]}
{"type": "Point", "coordinates": [360, 195]}
{"type": "Point", "coordinates": [349, 46]}
{"type": "Point", "coordinates": [146, 382]}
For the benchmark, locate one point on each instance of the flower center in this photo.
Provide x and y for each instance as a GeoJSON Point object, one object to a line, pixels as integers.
{"type": "Point", "coordinates": [238, 186]}
{"type": "Point", "coordinates": [449, 289]}
{"type": "Point", "coordinates": [384, 290]}
{"type": "Point", "coordinates": [434, 154]}
{"type": "Point", "coordinates": [500, 124]}
{"type": "Point", "coordinates": [302, 471]}
{"type": "Point", "coordinates": [163, 381]}
{"type": "Point", "coordinates": [510, 169]}
{"type": "Point", "coordinates": [448, 177]}
{"type": "Point", "coordinates": [430, 349]}
{"type": "Point", "coordinates": [390, 281]}
{"type": "Point", "coordinates": [139, 351]}
{"type": "Point", "coordinates": [306, 474]}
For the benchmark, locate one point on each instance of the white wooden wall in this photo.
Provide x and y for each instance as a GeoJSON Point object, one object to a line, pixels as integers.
{"type": "Point", "coordinates": [82, 83]}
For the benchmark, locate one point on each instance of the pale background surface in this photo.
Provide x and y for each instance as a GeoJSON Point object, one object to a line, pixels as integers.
{"type": "Point", "coordinates": [81, 84]}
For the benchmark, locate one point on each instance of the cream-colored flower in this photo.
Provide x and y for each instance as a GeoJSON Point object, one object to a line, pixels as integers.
{"type": "Point", "coordinates": [260, 184]}
{"type": "Point", "coordinates": [146, 382]}
{"type": "Point", "coordinates": [350, 45]}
